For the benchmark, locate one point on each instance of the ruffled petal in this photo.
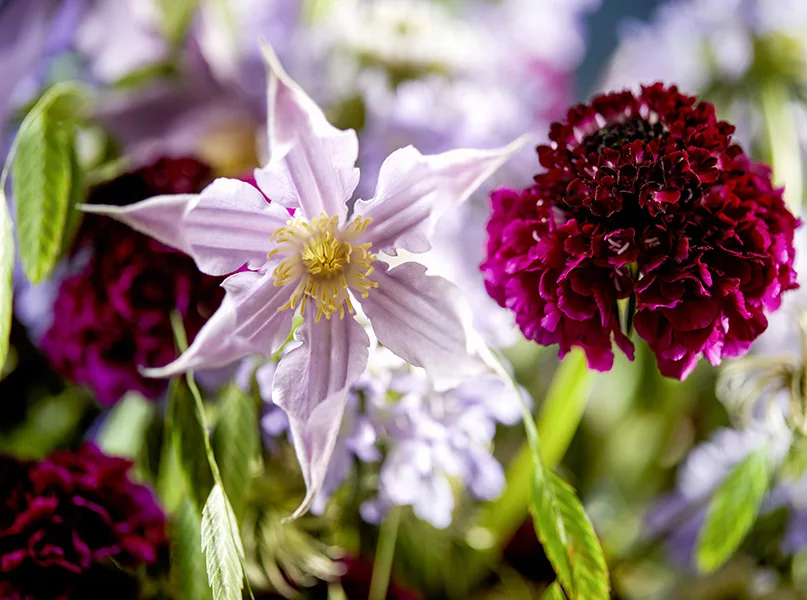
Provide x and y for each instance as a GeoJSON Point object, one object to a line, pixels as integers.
{"type": "Point", "coordinates": [424, 320]}
{"type": "Point", "coordinates": [414, 191]}
{"type": "Point", "coordinates": [311, 385]}
{"type": "Point", "coordinates": [311, 162]}
{"type": "Point", "coordinates": [247, 322]}
{"type": "Point", "coordinates": [159, 217]}
{"type": "Point", "coordinates": [231, 224]}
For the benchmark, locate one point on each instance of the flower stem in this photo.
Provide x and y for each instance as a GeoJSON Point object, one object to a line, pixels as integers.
{"type": "Point", "coordinates": [783, 142]}
{"type": "Point", "coordinates": [385, 552]}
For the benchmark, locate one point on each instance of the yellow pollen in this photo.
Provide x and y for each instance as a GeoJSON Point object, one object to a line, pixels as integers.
{"type": "Point", "coordinates": [325, 262]}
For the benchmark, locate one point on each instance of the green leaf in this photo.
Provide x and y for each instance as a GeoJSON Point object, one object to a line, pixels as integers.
{"type": "Point", "coordinates": [554, 592]}
{"type": "Point", "coordinates": [189, 439]}
{"type": "Point", "coordinates": [589, 572]}
{"type": "Point", "coordinates": [732, 511]}
{"type": "Point", "coordinates": [6, 272]}
{"type": "Point", "coordinates": [42, 166]}
{"type": "Point", "coordinates": [125, 427]}
{"type": "Point", "coordinates": [50, 423]}
{"type": "Point", "coordinates": [188, 563]}
{"type": "Point", "coordinates": [221, 545]}
{"type": "Point", "coordinates": [236, 444]}
{"type": "Point", "coordinates": [74, 215]}
{"type": "Point", "coordinates": [561, 523]}
{"type": "Point", "coordinates": [176, 17]}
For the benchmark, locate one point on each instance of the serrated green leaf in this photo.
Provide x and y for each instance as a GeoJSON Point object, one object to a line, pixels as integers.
{"type": "Point", "coordinates": [189, 439]}
{"type": "Point", "coordinates": [221, 545]}
{"type": "Point", "coordinates": [41, 158]}
{"type": "Point", "coordinates": [732, 511]}
{"type": "Point", "coordinates": [236, 444]}
{"type": "Point", "coordinates": [188, 569]}
{"type": "Point", "coordinates": [6, 272]}
{"type": "Point", "coordinates": [41, 183]}
{"type": "Point", "coordinates": [589, 572]}
{"type": "Point", "coordinates": [553, 592]}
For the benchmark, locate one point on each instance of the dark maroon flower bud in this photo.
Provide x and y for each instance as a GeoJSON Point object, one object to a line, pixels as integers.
{"type": "Point", "coordinates": [645, 200]}
{"type": "Point", "coordinates": [71, 522]}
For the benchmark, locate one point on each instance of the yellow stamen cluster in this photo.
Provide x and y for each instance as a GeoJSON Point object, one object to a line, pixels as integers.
{"type": "Point", "coordinates": [325, 262]}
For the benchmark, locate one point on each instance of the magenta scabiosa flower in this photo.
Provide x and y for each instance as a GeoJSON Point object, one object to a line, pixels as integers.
{"type": "Point", "coordinates": [646, 200]}
{"type": "Point", "coordinates": [71, 521]}
{"type": "Point", "coordinates": [112, 312]}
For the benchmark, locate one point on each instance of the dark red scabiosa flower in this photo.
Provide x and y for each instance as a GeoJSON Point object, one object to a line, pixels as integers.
{"type": "Point", "coordinates": [113, 312]}
{"type": "Point", "coordinates": [72, 521]}
{"type": "Point", "coordinates": [647, 204]}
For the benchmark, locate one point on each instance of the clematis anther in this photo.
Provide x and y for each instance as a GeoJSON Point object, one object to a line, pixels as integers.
{"type": "Point", "coordinates": [303, 252]}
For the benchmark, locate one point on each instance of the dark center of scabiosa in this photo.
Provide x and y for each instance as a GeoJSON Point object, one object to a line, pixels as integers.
{"type": "Point", "coordinates": [645, 203]}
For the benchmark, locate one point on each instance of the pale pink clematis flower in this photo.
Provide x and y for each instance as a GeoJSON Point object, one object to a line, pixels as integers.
{"type": "Point", "coordinates": [320, 262]}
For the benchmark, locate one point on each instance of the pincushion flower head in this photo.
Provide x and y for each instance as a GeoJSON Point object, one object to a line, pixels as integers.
{"type": "Point", "coordinates": [303, 252]}
{"type": "Point", "coordinates": [645, 202]}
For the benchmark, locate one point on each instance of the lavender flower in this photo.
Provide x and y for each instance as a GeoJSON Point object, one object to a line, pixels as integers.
{"type": "Point", "coordinates": [423, 439]}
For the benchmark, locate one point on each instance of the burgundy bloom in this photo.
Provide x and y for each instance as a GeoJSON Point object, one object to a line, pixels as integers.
{"type": "Point", "coordinates": [71, 521]}
{"type": "Point", "coordinates": [645, 200]}
{"type": "Point", "coordinates": [112, 313]}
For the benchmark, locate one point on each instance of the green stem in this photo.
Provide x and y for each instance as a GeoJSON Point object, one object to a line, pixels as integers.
{"type": "Point", "coordinates": [558, 420]}
{"type": "Point", "coordinates": [385, 552]}
{"type": "Point", "coordinates": [783, 141]}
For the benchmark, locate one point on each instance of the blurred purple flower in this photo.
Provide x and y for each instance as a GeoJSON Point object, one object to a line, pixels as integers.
{"type": "Point", "coordinates": [423, 439]}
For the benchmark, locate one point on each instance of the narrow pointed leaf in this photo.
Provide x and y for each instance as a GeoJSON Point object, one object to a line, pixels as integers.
{"type": "Point", "coordinates": [732, 511]}
{"type": "Point", "coordinates": [188, 434]}
{"type": "Point", "coordinates": [236, 444]}
{"type": "Point", "coordinates": [221, 545]}
{"type": "Point", "coordinates": [6, 271]}
{"type": "Point", "coordinates": [188, 567]}
{"type": "Point", "coordinates": [554, 592]}
{"type": "Point", "coordinates": [589, 570]}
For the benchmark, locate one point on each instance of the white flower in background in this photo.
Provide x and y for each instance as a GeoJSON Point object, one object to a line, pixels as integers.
{"type": "Point", "coordinates": [119, 37]}
{"type": "Point", "coordinates": [320, 262]}
{"type": "Point", "coordinates": [713, 45]}
{"type": "Point", "coordinates": [409, 36]}
{"type": "Point", "coordinates": [425, 441]}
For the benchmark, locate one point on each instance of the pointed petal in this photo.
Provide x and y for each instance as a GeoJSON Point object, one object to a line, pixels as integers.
{"type": "Point", "coordinates": [311, 385]}
{"type": "Point", "coordinates": [311, 162]}
{"type": "Point", "coordinates": [424, 320]}
{"type": "Point", "coordinates": [159, 217]}
{"type": "Point", "coordinates": [414, 191]}
{"type": "Point", "coordinates": [247, 322]}
{"type": "Point", "coordinates": [230, 224]}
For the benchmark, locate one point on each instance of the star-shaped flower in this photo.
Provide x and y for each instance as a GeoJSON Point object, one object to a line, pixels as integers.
{"type": "Point", "coordinates": [304, 251]}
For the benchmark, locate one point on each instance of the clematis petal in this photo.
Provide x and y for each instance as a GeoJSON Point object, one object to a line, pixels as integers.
{"type": "Point", "coordinates": [247, 322]}
{"type": "Point", "coordinates": [311, 385]}
{"type": "Point", "coordinates": [159, 217]}
{"type": "Point", "coordinates": [424, 320]}
{"type": "Point", "coordinates": [231, 224]}
{"type": "Point", "coordinates": [311, 162]}
{"type": "Point", "coordinates": [228, 225]}
{"type": "Point", "coordinates": [414, 191]}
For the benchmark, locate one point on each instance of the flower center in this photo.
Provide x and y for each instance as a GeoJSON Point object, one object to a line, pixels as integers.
{"type": "Point", "coordinates": [325, 262]}
{"type": "Point", "coordinates": [617, 134]}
